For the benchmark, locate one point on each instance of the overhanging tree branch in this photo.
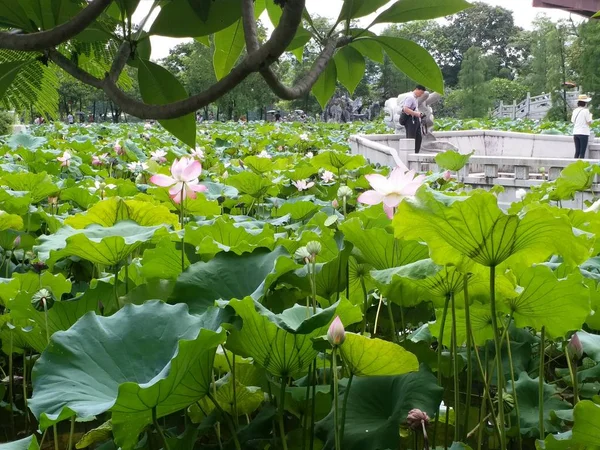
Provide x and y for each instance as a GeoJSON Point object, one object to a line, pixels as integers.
{"type": "Point", "coordinates": [73, 69]}
{"type": "Point", "coordinates": [264, 56]}
{"type": "Point", "coordinates": [57, 35]}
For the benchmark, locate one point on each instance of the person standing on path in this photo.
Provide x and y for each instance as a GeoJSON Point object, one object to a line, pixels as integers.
{"type": "Point", "coordinates": [581, 119]}
{"type": "Point", "coordinates": [413, 121]}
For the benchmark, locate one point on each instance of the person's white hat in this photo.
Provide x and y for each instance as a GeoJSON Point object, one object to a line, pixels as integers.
{"type": "Point", "coordinates": [584, 98]}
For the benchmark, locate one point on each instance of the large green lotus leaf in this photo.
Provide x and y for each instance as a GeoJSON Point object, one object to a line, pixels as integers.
{"type": "Point", "coordinates": [282, 343]}
{"type": "Point", "coordinates": [481, 325]}
{"type": "Point", "coordinates": [379, 248]}
{"type": "Point", "coordinates": [143, 357]}
{"type": "Point", "coordinates": [591, 344]}
{"type": "Point", "coordinates": [199, 206]}
{"type": "Point", "coordinates": [108, 212]}
{"type": "Point", "coordinates": [223, 235]}
{"type": "Point", "coordinates": [26, 141]}
{"type": "Point", "coordinates": [97, 244]}
{"type": "Point", "coordinates": [79, 195]}
{"type": "Point", "coordinates": [250, 183]}
{"type": "Point", "coordinates": [10, 221]}
{"type": "Point", "coordinates": [31, 282]}
{"type": "Point", "coordinates": [559, 305]}
{"type": "Point", "coordinates": [39, 185]}
{"type": "Point", "coordinates": [452, 160]}
{"type": "Point", "coordinates": [15, 202]}
{"type": "Point", "coordinates": [337, 161]}
{"type": "Point", "coordinates": [216, 190]}
{"type": "Point", "coordinates": [528, 395]}
{"type": "Point", "coordinates": [259, 165]}
{"type": "Point", "coordinates": [164, 260]}
{"type": "Point", "coordinates": [378, 406]}
{"type": "Point", "coordinates": [576, 177]}
{"type": "Point", "coordinates": [28, 443]}
{"type": "Point", "coordinates": [560, 441]}
{"type": "Point", "coordinates": [329, 246]}
{"type": "Point", "coordinates": [475, 227]}
{"type": "Point", "coordinates": [298, 210]}
{"type": "Point", "coordinates": [366, 357]}
{"type": "Point", "coordinates": [586, 430]}
{"type": "Point", "coordinates": [229, 276]}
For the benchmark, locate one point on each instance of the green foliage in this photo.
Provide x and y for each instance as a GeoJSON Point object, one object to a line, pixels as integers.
{"type": "Point", "coordinates": [475, 97]}
{"type": "Point", "coordinates": [7, 119]}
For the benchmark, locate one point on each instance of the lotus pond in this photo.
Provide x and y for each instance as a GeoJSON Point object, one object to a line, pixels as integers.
{"type": "Point", "coordinates": [267, 290]}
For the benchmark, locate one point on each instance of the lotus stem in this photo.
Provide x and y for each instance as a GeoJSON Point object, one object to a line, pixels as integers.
{"type": "Point", "coordinates": [469, 355]}
{"type": "Point", "coordinates": [71, 432]}
{"type": "Point", "coordinates": [377, 315]}
{"type": "Point", "coordinates": [25, 390]}
{"type": "Point", "coordinates": [11, 385]}
{"type": "Point", "coordinates": [366, 304]}
{"type": "Point", "coordinates": [55, 432]}
{"type": "Point", "coordinates": [281, 414]}
{"type": "Point", "coordinates": [541, 383]}
{"type": "Point", "coordinates": [481, 422]}
{"type": "Point", "coordinates": [336, 421]}
{"type": "Point", "coordinates": [498, 348]}
{"type": "Point", "coordinates": [346, 395]}
{"type": "Point", "coordinates": [573, 374]}
{"type": "Point", "coordinates": [456, 372]}
{"type": "Point", "coordinates": [514, 393]}
{"type": "Point", "coordinates": [393, 324]}
{"type": "Point", "coordinates": [425, 437]}
{"type": "Point", "coordinates": [439, 363]}
{"type": "Point", "coordinates": [309, 375]}
{"type": "Point", "coordinates": [235, 409]}
{"type": "Point", "coordinates": [181, 220]}
{"type": "Point", "coordinates": [116, 287]}
{"type": "Point", "coordinates": [313, 406]}
{"type": "Point", "coordinates": [159, 429]}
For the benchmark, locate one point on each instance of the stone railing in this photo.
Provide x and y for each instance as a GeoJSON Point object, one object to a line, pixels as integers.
{"type": "Point", "coordinates": [532, 107]}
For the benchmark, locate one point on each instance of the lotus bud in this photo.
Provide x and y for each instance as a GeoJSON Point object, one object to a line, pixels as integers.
{"type": "Point", "coordinates": [416, 418]}
{"type": "Point", "coordinates": [43, 300]}
{"type": "Point", "coordinates": [17, 241]}
{"type": "Point", "coordinates": [335, 204]}
{"type": "Point", "coordinates": [336, 335]}
{"type": "Point", "coordinates": [314, 248]}
{"type": "Point", "coordinates": [542, 169]}
{"type": "Point", "coordinates": [344, 192]}
{"type": "Point", "coordinates": [575, 347]}
{"type": "Point", "coordinates": [53, 201]}
{"type": "Point", "coordinates": [39, 266]}
{"type": "Point", "coordinates": [118, 149]}
{"type": "Point", "coordinates": [447, 175]}
{"type": "Point", "coordinates": [225, 175]}
{"type": "Point", "coordinates": [139, 179]}
{"type": "Point", "coordinates": [520, 193]}
{"type": "Point", "coordinates": [302, 254]}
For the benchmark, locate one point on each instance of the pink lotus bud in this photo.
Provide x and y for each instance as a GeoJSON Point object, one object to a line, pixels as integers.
{"type": "Point", "coordinates": [17, 241]}
{"type": "Point", "coordinates": [447, 175]}
{"type": "Point", "coordinates": [335, 204]}
{"type": "Point", "coordinates": [416, 418]}
{"type": "Point", "coordinates": [118, 149]}
{"type": "Point", "coordinates": [336, 335]}
{"type": "Point", "coordinates": [575, 347]}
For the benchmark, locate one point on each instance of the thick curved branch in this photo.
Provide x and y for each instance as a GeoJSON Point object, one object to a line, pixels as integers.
{"type": "Point", "coordinates": [72, 69]}
{"type": "Point", "coordinates": [120, 61]}
{"type": "Point", "coordinates": [57, 35]}
{"type": "Point", "coordinates": [250, 31]}
{"type": "Point", "coordinates": [306, 83]}
{"type": "Point", "coordinates": [264, 56]}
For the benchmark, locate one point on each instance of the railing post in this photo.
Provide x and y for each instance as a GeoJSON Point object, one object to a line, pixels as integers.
{"type": "Point", "coordinates": [501, 109]}
{"type": "Point", "coordinates": [528, 104]}
{"type": "Point", "coordinates": [522, 172]}
{"type": "Point", "coordinates": [514, 110]}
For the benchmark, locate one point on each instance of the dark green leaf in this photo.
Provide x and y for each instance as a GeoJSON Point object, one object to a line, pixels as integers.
{"type": "Point", "coordinates": [409, 10]}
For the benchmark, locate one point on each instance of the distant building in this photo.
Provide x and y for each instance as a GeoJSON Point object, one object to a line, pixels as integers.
{"type": "Point", "coordinates": [584, 7]}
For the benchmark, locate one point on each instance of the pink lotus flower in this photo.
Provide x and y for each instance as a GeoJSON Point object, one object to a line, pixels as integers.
{"type": "Point", "coordinates": [335, 203]}
{"type": "Point", "coordinates": [118, 149]}
{"type": "Point", "coordinates": [303, 185]}
{"type": "Point", "coordinates": [327, 176]}
{"type": "Point", "coordinates": [183, 180]}
{"type": "Point", "coordinates": [65, 159]}
{"type": "Point", "coordinates": [392, 190]}
{"type": "Point", "coordinates": [158, 156]}
{"type": "Point", "coordinates": [336, 335]}
{"type": "Point", "coordinates": [447, 175]}
{"type": "Point", "coordinates": [198, 153]}
{"type": "Point", "coordinates": [575, 347]}
{"type": "Point", "coordinates": [98, 160]}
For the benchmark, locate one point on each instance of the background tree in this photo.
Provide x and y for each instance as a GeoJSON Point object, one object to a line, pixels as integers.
{"type": "Point", "coordinates": [474, 90]}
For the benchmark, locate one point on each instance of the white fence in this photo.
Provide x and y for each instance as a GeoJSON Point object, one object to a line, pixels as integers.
{"type": "Point", "coordinates": [532, 107]}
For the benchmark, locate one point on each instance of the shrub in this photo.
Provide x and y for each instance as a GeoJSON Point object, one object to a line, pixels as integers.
{"type": "Point", "coordinates": [7, 120]}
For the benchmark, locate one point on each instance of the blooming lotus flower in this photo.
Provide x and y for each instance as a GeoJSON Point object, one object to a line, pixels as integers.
{"type": "Point", "coordinates": [303, 137]}
{"type": "Point", "coordinates": [118, 149]}
{"type": "Point", "coordinates": [183, 179]}
{"type": "Point", "coordinates": [447, 175]}
{"type": "Point", "coordinates": [309, 155]}
{"type": "Point", "coordinates": [65, 159]}
{"type": "Point", "coordinates": [336, 335]}
{"type": "Point", "coordinates": [327, 176]}
{"type": "Point", "coordinates": [198, 153]}
{"type": "Point", "coordinates": [520, 193]}
{"type": "Point", "coordinates": [137, 166]}
{"type": "Point", "coordinates": [158, 156]}
{"type": "Point", "coordinates": [264, 154]}
{"type": "Point", "coordinates": [303, 185]}
{"type": "Point", "coordinates": [392, 190]}
{"type": "Point", "coordinates": [98, 160]}
{"type": "Point", "coordinates": [147, 126]}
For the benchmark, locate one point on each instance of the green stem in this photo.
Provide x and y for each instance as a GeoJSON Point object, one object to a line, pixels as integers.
{"type": "Point", "coordinates": [346, 394]}
{"type": "Point", "coordinates": [439, 364]}
{"type": "Point", "coordinates": [116, 287]}
{"type": "Point", "coordinates": [313, 406]}
{"type": "Point", "coordinates": [402, 320]}
{"type": "Point", "coordinates": [235, 409]}
{"type": "Point", "coordinates": [71, 432]}
{"type": "Point", "coordinates": [456, 371]}
{"type": "Point", "coordinates": [469, 355]}
{"type": "Point", "coordinates": [541, 383]}
{"type": "Point", "coordinates": [181, 221]}
{"type": "Point", "coordinates": [573, 373]}
{"type": "Point", "coordinates": [11, 384]}
{"type": "Point", "coordinates": [281, 414]}
{"type": "Point", "coordinates": [227, 421]}
{"type": "Point", "coordinates": [392, 322]}
{"type": "Point", "coordinates": [306, 406]}
{"type": "Point", "coordinates": [159, 429]}
{"type": "Point", "coordinates": [55, 432]}
{"type": "Point", "coordinates": [514, 390]}
{"type": "Point", "coordinates": [336, 420]}
{"type": "Point", "coordinates": [25, 390]}
{"type": "Point", "coordinates": [364, 289]}
{"type": "Point", "coordinates": [498, 348]}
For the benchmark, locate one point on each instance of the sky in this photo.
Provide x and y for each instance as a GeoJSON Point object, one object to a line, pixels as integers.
{"type": "Point", "coordinates": [524, 14]}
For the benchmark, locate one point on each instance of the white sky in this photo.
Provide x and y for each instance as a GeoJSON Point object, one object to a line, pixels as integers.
{"type": "Point", "coordinates": [524, 14]}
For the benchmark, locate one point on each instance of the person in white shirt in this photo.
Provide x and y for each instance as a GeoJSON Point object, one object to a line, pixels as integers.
{"type": "Point", "coordinates": [581, 119]}
{"type": "Point", "coordinates": [70, 119]}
